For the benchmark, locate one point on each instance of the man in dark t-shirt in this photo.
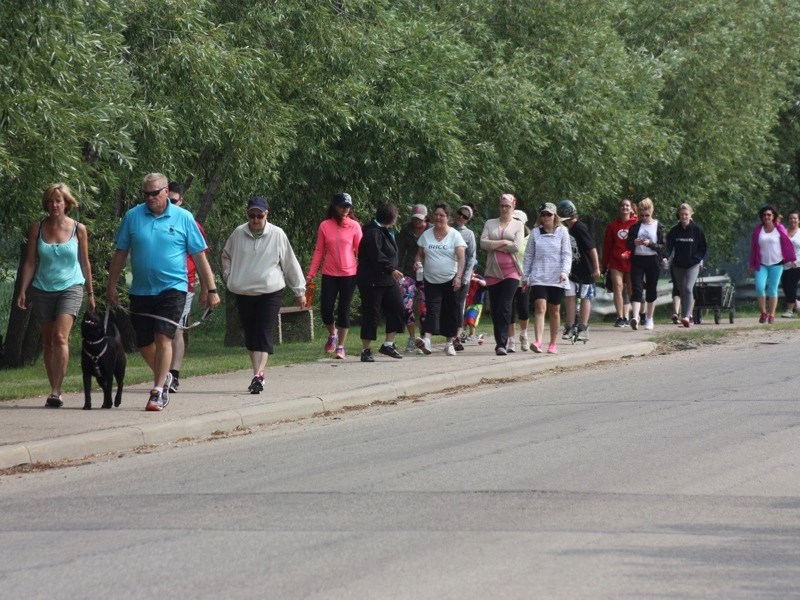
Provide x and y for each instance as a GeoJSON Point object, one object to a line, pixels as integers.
{"type": "Point", "coordinates": [585, 270]}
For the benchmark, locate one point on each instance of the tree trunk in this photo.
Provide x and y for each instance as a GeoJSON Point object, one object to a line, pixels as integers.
{"type": "Point", "coordinates": [216, 181]}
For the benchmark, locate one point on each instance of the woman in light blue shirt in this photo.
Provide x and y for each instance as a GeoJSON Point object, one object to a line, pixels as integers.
{"type": "Point", "coordinates": [56, 268]}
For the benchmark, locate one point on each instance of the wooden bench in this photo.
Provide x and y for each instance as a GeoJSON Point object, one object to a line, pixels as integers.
{"type": "Point", "coordinates": [295, 324]}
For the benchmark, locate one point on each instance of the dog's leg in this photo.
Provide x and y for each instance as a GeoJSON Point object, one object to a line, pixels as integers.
{"type": "Point", "coordinates": [106, 385]}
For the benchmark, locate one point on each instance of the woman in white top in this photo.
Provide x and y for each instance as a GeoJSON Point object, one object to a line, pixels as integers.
{"type": "Point", "coordinates": [548, 259]}
{"type": "Point", "coordinates": [648, 245]}
{"type": "Point", "coordinates": [770, 249]}
{"type": "Point", "coordinates": [441, 257]}
{"type": "Point", "coordinates": [791, 275]}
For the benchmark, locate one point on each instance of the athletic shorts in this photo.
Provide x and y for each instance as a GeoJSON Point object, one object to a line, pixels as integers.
{"type": "Point", "coordinates": [553, 295]}
{"type": "Point", "coordinates": [47, 305]}
{"type": "Point", "coordinates": [587, 290]}
{"type": "Point", "coordinates": [187, 308]}
{"type": "Point", "coordinates": [168, 304]}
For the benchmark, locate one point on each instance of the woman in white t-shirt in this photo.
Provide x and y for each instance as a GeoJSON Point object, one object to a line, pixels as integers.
{"type": "Point", "coordinates": [791, 275]}
{"type": "Point", "coordinates": [648, 245]}
{"type": "Point", "coordinates": [441, 258]}
{"type": "Point", "coordinates": [770, 249]}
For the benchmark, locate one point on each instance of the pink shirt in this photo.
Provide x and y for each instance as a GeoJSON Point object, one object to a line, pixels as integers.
{"type": "Point", "coordinates": [337, 248]}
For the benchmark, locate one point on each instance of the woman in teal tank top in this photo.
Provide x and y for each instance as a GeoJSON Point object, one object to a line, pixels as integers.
{"type": "Point", "coordinates": [56, 268]}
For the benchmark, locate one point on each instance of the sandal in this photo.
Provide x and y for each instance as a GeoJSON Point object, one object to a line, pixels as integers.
{"type": "Point", "coordinates": [53, 401]}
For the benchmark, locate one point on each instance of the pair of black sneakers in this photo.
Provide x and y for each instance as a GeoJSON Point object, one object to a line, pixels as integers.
{"type": "Point", "coordinates": [390, 351]}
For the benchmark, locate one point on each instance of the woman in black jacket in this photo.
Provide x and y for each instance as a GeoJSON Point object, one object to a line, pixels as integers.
{"type": "Point", "coordinates": [686, 242]}
{"type": "Point", "coordinates": [379, 283]}
{"type": "Point", "coordinates": [647, 245]}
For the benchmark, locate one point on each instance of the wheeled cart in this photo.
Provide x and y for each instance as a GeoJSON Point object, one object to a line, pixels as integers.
{"type": "Point", "coordinates": [714, 293]}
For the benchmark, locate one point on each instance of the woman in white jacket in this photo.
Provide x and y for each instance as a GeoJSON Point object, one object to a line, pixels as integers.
{"type": "Point", "coordinates": [548, 259]}
{"type": "Point", "coordinates": [257, 263]}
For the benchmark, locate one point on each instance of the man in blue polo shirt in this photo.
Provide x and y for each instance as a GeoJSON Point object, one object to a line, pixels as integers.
{"type": "Point", "coordinates": [158, 235]}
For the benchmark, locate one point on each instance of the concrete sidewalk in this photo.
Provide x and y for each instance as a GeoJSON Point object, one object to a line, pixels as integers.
{"type": "Point", "coordinates": [30, 433]}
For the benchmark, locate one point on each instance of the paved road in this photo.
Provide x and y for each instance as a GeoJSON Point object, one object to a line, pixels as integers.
{"type": "Point", "coordinates": [667, 476]}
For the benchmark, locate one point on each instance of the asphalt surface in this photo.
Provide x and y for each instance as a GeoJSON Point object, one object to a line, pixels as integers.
{"type": "Point", "coordinates": [214, 404]}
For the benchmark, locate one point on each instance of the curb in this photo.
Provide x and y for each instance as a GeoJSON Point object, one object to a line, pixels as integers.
{"type": "Point", "coordinates": [128, 438]}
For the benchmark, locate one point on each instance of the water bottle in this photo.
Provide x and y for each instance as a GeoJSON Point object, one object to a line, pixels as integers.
{"type": "Point", "coordinates": [420, 274]}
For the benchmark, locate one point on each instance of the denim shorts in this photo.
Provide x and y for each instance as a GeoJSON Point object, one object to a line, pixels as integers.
{"type": "Point", "coordinates": [47, 305]}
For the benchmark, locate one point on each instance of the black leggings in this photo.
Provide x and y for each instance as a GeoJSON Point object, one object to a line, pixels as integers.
{"type": "Point", "coordinates": [789, 281]}
{"type": "Point", "coordinates": [644, 277]}
{"type": "Point", "coordinates": [333, 286]}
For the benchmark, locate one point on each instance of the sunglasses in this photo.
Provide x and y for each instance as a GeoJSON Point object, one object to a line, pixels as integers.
{"type": "Point", "coordinates": [256, 216]}
{"type": "Point", "coordinates": [153, 193]}
{"type": "Point", "coordinates": [463, 216]}
{"type": "Point", "coordinates": [545, 214]}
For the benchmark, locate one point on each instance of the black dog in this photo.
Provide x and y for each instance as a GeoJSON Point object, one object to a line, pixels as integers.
{"type": "Point", "coordinates": [102, 358]}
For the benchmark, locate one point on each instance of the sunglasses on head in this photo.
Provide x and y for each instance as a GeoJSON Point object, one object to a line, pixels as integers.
{"type": "Point", "coordinates": [153, 193]}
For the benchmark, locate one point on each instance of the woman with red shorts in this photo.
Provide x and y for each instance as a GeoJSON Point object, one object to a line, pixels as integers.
{"type": "Point", "coordinates": [617, 259]}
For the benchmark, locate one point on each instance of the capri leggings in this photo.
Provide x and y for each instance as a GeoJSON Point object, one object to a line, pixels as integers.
{"type": "Point", "coordinates": [768, 277]}
{"type": "Point", "coordinates": [343, 287]}
{"type": "Point", "coordinates": [644, 277]}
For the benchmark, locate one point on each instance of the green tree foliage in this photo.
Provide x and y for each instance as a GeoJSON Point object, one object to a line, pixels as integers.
{"type": "Point", "coordinates": [402, 100]}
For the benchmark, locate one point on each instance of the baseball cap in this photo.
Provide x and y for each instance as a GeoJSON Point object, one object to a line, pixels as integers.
{"type": "Point", "coordinates": [419, 212]}
{"type": "Point", "coordinates": [342, 199]}
{"type": "Point", "coordinates": [258, 202]}
{"type": "Point", "coordinates": [548, 207]}
{"type": "Point", "coordinates": [520, 215]}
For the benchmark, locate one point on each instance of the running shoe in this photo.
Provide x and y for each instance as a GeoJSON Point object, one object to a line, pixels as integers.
{"type": "Point", "coordinates": [257, 385]}
{"type": "Point", "coordinates": [501, 351]}
{"type": "Point", "coordinates": [537, 347]}
{"type": "Point", "coordinates": [625, 321]}
{"type": "Point", "coordinates": [424, 344]}
{"type": "Point", "coordinates": [634, 324]}
{"type": "Point", "coordinates": [173, 387]}
{"type": "Point", "coordinates": [620, 322]}
{"type": "Point", "coordinates": [568, 332]}
{"type": "Point", "coordinates": [524, 343]}
{"type": "Point", "coordinates": [165, 389]}
{"type": "Point", "coordinates": [770, 319]}
{"type": "Point", "coordinates": [552, 348]}
{"type": "Point", "coordinates": [155, 402]}
{"type": "Point", "coordinates": [763, 318]}
{"type": "Point", "coordinates": [458, 345]}
{"type": "Point", "coordinates": [449, 350]}
{"type": "Point", "coordinates": [583, 333]}
{"type": "Point", "coordinates": [330, 345]}
{"type": "Point", "coordinates": [686, 322]}
{"type": "Point", "coordinates": [648, 324]}
{"type": "Point", "coordinates": [366, 355]}
{"type": "Point", "coordinates": [340, 354]}
{"type": "Point", "coordinates": [53, 401]}
{"type": "Point", "coordinates": [789, 314]}
{"type": "Point", "coordinates": [511, 346]}
{"type": "Point", "coordinates": [411, 345]}
{"type": "Point", "coordinates": [675, 318]}
{"type": "Point", "coordinates": [389, 351]}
